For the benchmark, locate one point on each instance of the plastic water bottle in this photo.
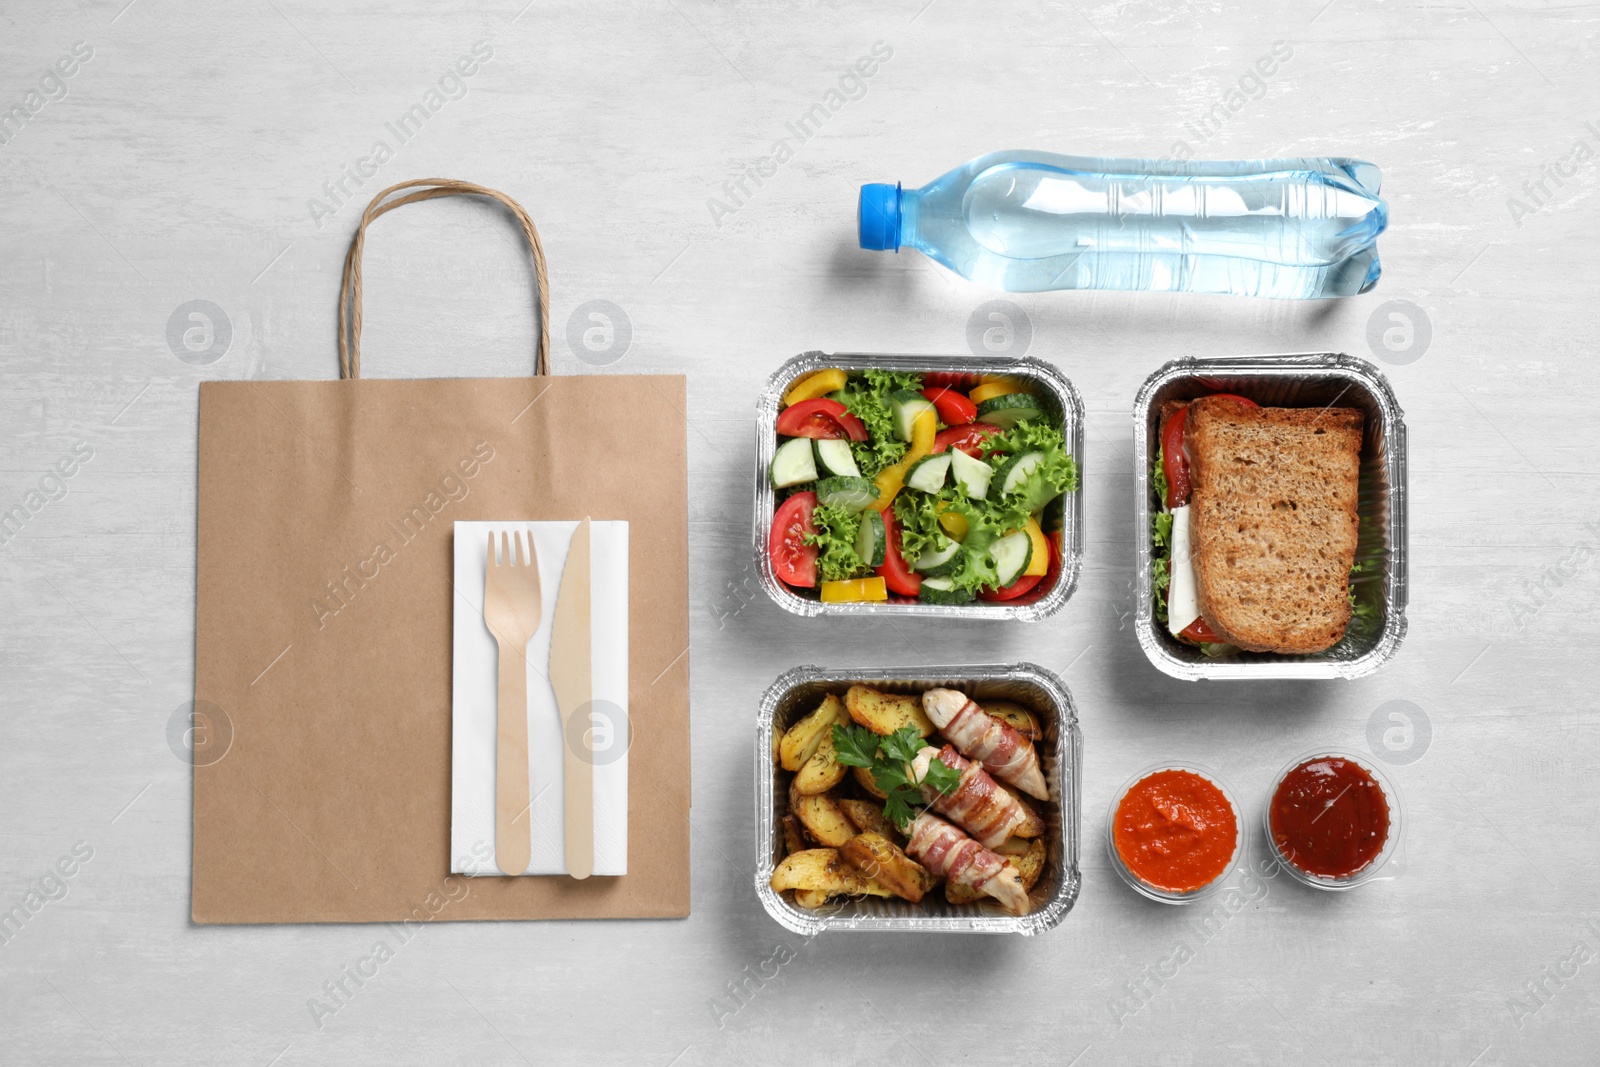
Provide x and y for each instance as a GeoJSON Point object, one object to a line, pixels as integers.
{"type": "Point", "coordinates": [1027, 222]}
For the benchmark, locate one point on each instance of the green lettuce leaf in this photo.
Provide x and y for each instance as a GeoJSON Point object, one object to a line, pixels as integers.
{"type": "Point", "coordinates": [1034, 435]}
{"type": "Point", "coordinates": [1159, 580]}
{"type": "Point", "coordinates": [835, 541]}
{"type": "Point", "coordinates": [866, 396]}
{"type": "Point", "coordinates": [1160, 541]}
{"type": "Point", "coordinates": [919, 524]}
{"type": "Point", "coordinates": [986, 524]}
{"type": "Point", "coordinates": [1162, 529]}
{"type": "Point", "coordinates": [1366, 615]}
{"type": "Point", "coordinates": [1056, 475]}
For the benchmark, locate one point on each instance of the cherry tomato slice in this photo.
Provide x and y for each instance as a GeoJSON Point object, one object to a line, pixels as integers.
{"type": "Point", "coordinates": [811, 418]}
{"type": "Point", "coordinates": [794, 561]}
{"type": "Point", "coordinates": [854, 428]}
{"type": "Point", "coordinates": [968, 438]}
{"type": "Point", "coordinates": [1199, 631]}
{"type": "Point", "coordinates": [820, 419]}
{"type": "Point", "coordinates": [949, 380]}
{"type": "Point", "coordinates": [1054, 571]}
{"type": "Point", "coordinates": [1173, 459]}
{"type": "Point", "coordinates": [1021, 587]}
{"type": "Point", "coordinates": [900, 579]}
{"type": "Point", "coordinates": [954, 409]}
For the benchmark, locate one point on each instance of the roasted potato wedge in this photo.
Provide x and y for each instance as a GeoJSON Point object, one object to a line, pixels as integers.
{"type": "Point", "coordinates": [956, 893]}
{"type": "Point", "coordinates": [1027, 856]}
{"type": "Point", "coordinates": [801, 741]}
{"type": "Point", "coordinates": [811, 899]}
{"type": "Point", "coordinates": [880, 859]}
{"type": "Point", "coordinates": [865, 781]}
{"type": "Point", "coordinates": [821, 817]}
{"type": "Point", "coordinates": [823, 770]}
{"type": "Point", "coordinates": [884, 713]}
{"type": "Point", "coordinates": [1021, 719]}
{"type": "Point", "coordinates": [824, 870]}
{"type": "Point", "coordinates": [793, 839]}
{"type": "Point", "coordinates": [867, 817]}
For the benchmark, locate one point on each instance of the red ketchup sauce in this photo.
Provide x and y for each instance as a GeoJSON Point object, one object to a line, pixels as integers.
{"type": "Point", "coordinates": [1175, 830]}
{"type": "Point", "coordinates": [1329, 817]}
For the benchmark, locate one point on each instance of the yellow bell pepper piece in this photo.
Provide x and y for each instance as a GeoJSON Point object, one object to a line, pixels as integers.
{"type": "Point", "coordinates": [815, 384]}
{"type": "Point", "coordinates": [893, 477]}
{"type": "Point", "coordinates": [999, 387]}
{"type": "Point", "coordinates": [954, 523]}
{"type": "Point", "coordinates": [1040, 563]}
{"type": "Point", "coordinates": [853, 590]}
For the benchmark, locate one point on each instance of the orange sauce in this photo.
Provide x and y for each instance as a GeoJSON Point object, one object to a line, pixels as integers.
{"type": "Point", "coordinates": [1175, 830]}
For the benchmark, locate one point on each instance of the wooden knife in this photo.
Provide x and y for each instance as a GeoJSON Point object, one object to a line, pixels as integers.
{"type": "Point", "coordinates": [572, 680]}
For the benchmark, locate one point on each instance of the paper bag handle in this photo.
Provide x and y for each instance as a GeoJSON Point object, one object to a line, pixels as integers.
{"type": "Point", "coordinates": [428, 189]}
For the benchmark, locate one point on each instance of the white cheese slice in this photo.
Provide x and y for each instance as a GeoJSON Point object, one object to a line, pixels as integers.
{"type": "Point", "coordinates": [1183, 603]}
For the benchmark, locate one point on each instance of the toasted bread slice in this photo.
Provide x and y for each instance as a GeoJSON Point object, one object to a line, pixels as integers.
{"type": "Point", "coordinates": [1273, 521]}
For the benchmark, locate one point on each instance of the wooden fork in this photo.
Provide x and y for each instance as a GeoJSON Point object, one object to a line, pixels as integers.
{"type": "Point", "coordinates": [512, 603]}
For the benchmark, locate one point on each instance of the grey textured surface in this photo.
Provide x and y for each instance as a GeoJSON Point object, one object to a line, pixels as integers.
{"type": "Point", "coordinates": [178, 167]}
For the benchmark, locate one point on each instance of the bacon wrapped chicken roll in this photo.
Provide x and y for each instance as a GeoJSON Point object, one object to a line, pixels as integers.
{"type": "Point", "coordinates": [950, 854]}
{"type": "Point", "coordinates": [980, 736]}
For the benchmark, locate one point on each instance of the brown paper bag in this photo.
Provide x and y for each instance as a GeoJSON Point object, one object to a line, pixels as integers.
{"type": "Point", "coordinates": [323, 622]}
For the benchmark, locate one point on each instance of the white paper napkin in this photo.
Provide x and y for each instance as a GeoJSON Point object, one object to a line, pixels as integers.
{"type": "Point", "coordinates": [475, 694]}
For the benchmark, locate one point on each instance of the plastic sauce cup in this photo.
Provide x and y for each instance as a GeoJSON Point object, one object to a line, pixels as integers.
{"type": "Point", "coordinates": [1335, 808]}
{"type": "Point", "coordinates": [1167, 798]}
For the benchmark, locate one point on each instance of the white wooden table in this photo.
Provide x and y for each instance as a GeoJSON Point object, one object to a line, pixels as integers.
{"type": "Point", "coordinates": [196, 155]}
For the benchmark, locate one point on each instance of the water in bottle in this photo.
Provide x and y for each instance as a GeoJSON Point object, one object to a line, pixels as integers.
{"type": "Point", "coordinates": [1027, 222]}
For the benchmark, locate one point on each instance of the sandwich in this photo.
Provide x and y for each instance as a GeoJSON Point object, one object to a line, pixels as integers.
{"type": "Point", "coordinates": [1259, 524]}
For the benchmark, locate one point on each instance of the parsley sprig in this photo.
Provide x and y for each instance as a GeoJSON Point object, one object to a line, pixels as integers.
{"type": "Point", "coordinates": [889, 760]}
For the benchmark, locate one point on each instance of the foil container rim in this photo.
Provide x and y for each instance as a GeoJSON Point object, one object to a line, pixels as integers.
{"type": "Point", "coordinates": [1286, 365]}
{"type": "Point", "coordinates": [1046, 918]}
{"type": "Point", "coordinates": [1064, 392]}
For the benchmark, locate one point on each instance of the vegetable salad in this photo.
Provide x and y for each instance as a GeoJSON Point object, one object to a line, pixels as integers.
{"type": "Point", "coordinates": [926, 486]}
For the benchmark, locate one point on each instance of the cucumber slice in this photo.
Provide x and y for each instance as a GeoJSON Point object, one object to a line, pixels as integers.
{"type": "Point", "coordinates": [1013, 472]}
{"type": "Point", "coordinates": [1006, 411]}
{"type": "Point", "coordinates": [793, 463]}
{"type": "Point", "coordinates": [1011, 555]}
{"type": "Point", "coordinates": [927, 473]}
{"type": "Point", "coordinates": [871, 541]}
{"type": "Point", "coordinates": [852, 494]}
{"type": "Point", "coordinates": [942, 591]}
{"type": "Point", "coordinates": [837, 458]}
{"type": "Point", "coordinates": [906, 405]}
{"type": "Point", "coordinates": [972, 475]}
{"type": "Point", "coordinates": [936, 562]}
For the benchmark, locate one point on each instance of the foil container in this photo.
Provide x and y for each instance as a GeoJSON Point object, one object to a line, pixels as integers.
{"type": "Point", "coordinates": [1296, 380]}
{"type": "Point", "coordinates": [798, 692]}
{"type": "Point", "coordinates": [1061, 401]}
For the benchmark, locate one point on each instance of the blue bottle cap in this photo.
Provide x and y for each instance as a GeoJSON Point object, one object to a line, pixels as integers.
{"type": "Point", "coordinates": [878, 217]}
